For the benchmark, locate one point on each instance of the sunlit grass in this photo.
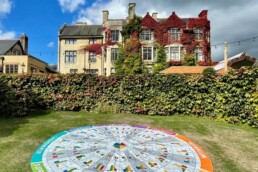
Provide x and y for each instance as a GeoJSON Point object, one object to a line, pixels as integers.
{"type": "Point", "coordinates": [231, 148]}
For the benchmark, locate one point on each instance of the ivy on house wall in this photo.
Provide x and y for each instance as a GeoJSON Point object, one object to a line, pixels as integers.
{"type": "Point", "coordinates": [163, 37]}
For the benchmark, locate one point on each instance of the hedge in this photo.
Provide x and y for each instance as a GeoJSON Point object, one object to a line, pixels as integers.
{"type": "Point", "coordinates": [231, 96]}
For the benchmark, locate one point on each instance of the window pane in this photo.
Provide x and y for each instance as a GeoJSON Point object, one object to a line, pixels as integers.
{"type": "Point", "coordinates": [198, 33]}
{"type": "Point", "coordinates": [70, 41]}
{"type": "Point", "coordinates": [146, 35]}
{"type": "Point", "coordinates": [11, 68]}
{"type": "Point", "coordinates": [147, 53]}
{"type": "Point", "coordinates": [175, 34]}
{"type": "Point", "coordinates": [114, 54]}
{"type": "Point", "coordinates": [115, 35]}
{"type": "Point", "coordinates": [174, 53]}
{"type": "Point", "coordinates": [70, 56]}
{"type": "Point", "coordinates": [92, 40]}
{"type": "Point", "coordinates": [198, 54]}
{"type": "Point", "coordinates": [92, 57]}
{"type": "Point", "coordinates": [73, 70]}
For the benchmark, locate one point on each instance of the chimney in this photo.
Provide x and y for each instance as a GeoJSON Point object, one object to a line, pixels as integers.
{"type": "Point", "coordinates": [24, 42]}
{"type": "Point", "coordinates": [105, 16]}
{"type": "Point", "coordinates": [131, 10]}
{"type": "Point", "coordinates": [81, 23]}
{"type": "Point", "coordinates": [155, 15]}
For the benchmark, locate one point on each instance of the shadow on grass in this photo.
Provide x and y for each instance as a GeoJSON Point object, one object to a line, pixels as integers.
{"type": "Point", "coordinates": [9, 125]}
{"type": "Point", "coordinates": [39, 112]}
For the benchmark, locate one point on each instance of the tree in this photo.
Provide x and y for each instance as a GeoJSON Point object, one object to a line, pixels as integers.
{"type": "Point", "coordinates": [129, 55]}
{"type": "Point", "coordinates": [133, 27]}
{"type": "Point", "coordinates": [161, 63]}
{"type": "Point", "coordinates": [129, 58]}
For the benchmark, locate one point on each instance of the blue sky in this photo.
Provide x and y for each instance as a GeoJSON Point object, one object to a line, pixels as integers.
{"type": "Point", "coordinates": [232, 20]}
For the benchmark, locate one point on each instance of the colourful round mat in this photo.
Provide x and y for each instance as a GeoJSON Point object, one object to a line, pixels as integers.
{"type": "Point", "coordinates": [119, 148]}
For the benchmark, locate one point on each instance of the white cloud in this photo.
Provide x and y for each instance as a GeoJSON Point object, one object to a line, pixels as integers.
{"type": "Point", "coordinates": [70, 5]}
{"type": "Point", "coordinates": [50, 45]}
{"type": "Point", "coordinates": [7, 35]}
{"type": "Point", "coordinates": [5, 7]}
{"type": "Point", "coordinates": [93, 14]}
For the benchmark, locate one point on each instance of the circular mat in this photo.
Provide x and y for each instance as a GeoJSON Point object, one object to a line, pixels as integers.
{"type": "Point", "coordinates": [119, 148]}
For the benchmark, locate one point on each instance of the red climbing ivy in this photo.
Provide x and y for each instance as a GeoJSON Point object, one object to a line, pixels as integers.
{"type": "Point", "coordinates": [97, 47]}
{"type": "Point", "coordinates": [149, 22]}
{"type": "Point", "coordinates": [174, 63]}
{"type": "Point", "coordinates": [163, 37]}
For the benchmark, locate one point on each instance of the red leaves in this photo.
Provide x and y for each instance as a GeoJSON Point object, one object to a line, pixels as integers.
{"type": "Point", "coordinates": [149, 22]}
{"type": "Point", "coordinates": [174, 63]}
{"type": "Point", "coordinates": [187, 37]}
{"type": "Point", "coordinates": [199, 23]}
{"type": "Point", "coordinates": [94, 48]}
{"type": "Point", "coordinates": [97, 47]}
{"type": "Point", "coordinates": [174, 22]}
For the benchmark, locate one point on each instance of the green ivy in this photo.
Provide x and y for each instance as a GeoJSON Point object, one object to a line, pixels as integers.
{"type": "Point", "coordinates": [232, 96]}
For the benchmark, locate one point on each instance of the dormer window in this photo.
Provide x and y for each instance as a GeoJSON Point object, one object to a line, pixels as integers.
{"type": "Point", "coordinates": [146, 35]}
{"type": "Point", "coordinates": [198, 33]}
{"type": "Point", "coordinates": [174, 34]}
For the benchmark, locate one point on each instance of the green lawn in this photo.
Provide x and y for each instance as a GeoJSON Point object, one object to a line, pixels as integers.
{"type": "Point", "coordinates": [231, 148]}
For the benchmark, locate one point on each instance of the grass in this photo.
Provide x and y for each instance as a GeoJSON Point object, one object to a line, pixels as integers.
{"type": "Point", "coordinates": [231, 148]}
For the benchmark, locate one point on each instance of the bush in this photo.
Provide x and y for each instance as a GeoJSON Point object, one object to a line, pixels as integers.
{"type": "Point", "coordinates": [230, 96]}
{"type": "Point", "coordinates": [209, 71]}
{"type": "Point", "coordinates": [189, 60]}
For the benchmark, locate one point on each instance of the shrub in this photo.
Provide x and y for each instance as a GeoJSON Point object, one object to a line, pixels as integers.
{"type": "Point", "coordinates": [209, 71]}
{"type": "Point", "coordinates": [230, 96]}
{"type": "Point", "coordinates": [189, 60]}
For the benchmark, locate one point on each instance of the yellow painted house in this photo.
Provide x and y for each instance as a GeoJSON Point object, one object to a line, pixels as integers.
{"type": "Point", "coordinates": [71, 57]}
{"type": "Point", "coordinates": [14, 58]}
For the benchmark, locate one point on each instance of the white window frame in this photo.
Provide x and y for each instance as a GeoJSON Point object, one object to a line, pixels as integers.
{"type": "Point", "coordinates": [114, 54]}
{"type": "Point", "coordinates": [70, 41]}
{"type": "Point", "coordinates": [70, 56]}
{"type": "Point", "coordinates": [198, 53]}
{"type": "Point", "coordinates": [147, 35]}
{"type": "Point", "coordinates": [147, 53]}
{"type": "Point", "coordinates": [175, 34]}
{"type": "Point", "coordinates": [115, 35]}
{"type": "Point", "coordinates": [173, 53]}
{"type": "Point", "coordinates": [198, 33]}
{"type": "Point", "coordinates": [92, 57]}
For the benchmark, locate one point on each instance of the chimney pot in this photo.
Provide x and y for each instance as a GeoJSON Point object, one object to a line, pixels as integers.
{"type": "Point", "coordinates": [155, 15]}
{"type": "Point", "coordinates": [131, 10]}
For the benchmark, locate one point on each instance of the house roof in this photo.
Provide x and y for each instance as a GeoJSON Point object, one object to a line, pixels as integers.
{"type": "Point", "coordinates": [6, 45]}
{"type": "Point", "coordinates": [234, 59]}
{"type": "Point", "coordinates": [184, 70]}
{"type": "Point", "coordinates": [81, 31]}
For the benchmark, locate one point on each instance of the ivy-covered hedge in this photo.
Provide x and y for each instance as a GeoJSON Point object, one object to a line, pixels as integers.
{"type": "Point", "coordinates": [232, 96]}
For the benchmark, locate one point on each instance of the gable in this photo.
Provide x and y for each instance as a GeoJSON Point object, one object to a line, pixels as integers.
{"type": "Point", "coordinates": [16, 49]}
{"type": "Point", "coordinates": [11, 47]}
